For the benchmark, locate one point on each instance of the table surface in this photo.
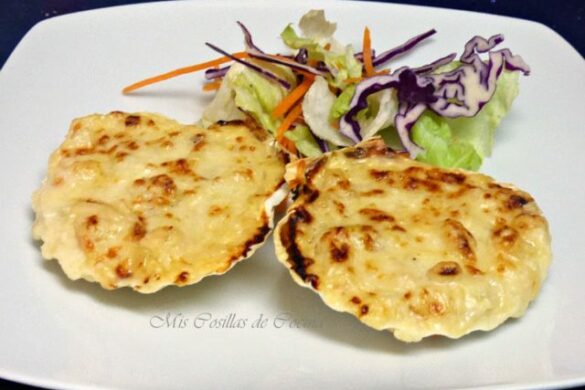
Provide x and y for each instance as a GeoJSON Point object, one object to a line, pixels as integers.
{"type": "Point", "coordinates": [564, 16]}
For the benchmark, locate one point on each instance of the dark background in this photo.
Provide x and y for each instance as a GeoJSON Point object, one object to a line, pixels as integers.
{"type": "Point", "coordinates": [564, 16]}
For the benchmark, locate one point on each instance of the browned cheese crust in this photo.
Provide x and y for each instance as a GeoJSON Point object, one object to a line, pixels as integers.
{"type": "Point", "coordinates": [409, 247]}
{"type": "Point", "coordinates": [139, 200]}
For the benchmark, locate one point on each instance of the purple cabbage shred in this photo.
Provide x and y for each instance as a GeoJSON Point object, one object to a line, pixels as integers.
{"type": "Point", "coordinates": [461, 92]}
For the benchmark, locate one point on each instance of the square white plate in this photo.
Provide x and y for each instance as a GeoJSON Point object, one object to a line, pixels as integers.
{"type": "Point", "coordinates": [54, 332]}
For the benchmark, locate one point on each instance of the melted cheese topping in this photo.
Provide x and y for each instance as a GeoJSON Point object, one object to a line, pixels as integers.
{"type": "Point", "coordinates": [139, 200]}
{"type": "Point", "coordinates": [412, 248]}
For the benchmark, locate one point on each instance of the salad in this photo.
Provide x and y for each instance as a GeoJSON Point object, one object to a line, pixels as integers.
{"type": "Point", "coordinates": [324, 95]}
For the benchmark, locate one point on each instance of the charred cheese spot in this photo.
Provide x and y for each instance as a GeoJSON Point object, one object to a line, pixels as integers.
{"type": "Point", "coordinates": [379, 175]}
{"type": "Point", "coordinates": [505, 235]}
{"type": "Point", "coordinates": [461, 238]}
{"type": "Point", "coordinates": [374, 192]}
{"type": "Point", "coordinates": [356, 153]}
{"type": "Point", "coordinates": [446, 268]}
{"type": "Point", "coordinates": [132, 120]}
{"type": "Point", "coordinates": [340, 207]}
{"type": "Point", "coordinates": [183, 277]}
{"type": "Point", "coordinates": [112, 252]}
{"type": "Point", "coordinates": [122, 271]}
{"type": "Point", "coordinates": [435, 251]}
{"type": "Point", "coordinates": [145, 202]}
{"type": "Point", "coordinates": [139, 229]}
{"type": "Point", "coordinates": [376, 215]}
{"type": "Point", "coordinates": [92, 220]}
{"type": "Point", "coordinates": [179, 167]}
{"type": "Point", "coordinates": [516, 201]}
{"type": "Point", "coordinates": [199, 141]}
{"type": "Point", "coordinates": [344, 184]}
{"type": "Point", "coordinates": [364, 309]}
{"type": "Point", "coordinates": [337, 239]}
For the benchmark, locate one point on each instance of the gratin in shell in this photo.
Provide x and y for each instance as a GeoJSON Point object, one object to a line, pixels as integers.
{"type": "Point", "coordinates": [142, 201]}
{"type": "Point", "coordinates": [412, 248]}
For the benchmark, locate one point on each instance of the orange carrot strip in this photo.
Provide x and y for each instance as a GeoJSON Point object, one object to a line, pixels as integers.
{"type": "Point", "coordinates": [293, 97]}
{"type": "Point", "coordinates": [286, 124]}
{"type": "Point", "coordinates": [353, 80]}
{"type": "Point", "coordinates": [367, 51]}
{"type": "Point", "coordinates": [288, 145]}
{"type": "Point", "coordinates": [181, 71]}
{"type": "Point", "coordinates": [288, 120]}
{"type": "Point", "coordinates": [280, 57]}
{"type": "Point", "coordinates": [212, 86]}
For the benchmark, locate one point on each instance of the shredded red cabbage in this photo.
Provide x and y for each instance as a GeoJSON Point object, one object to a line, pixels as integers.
{"type": "Point", "coordinates": [212, 74]}
{"type": "Point", "coordinates": [248, 38]}
{"type": "Point", "coordinates": [255, 68]}
{"type": "Point", "coordinates": [465, 90]}
{"type": "Point", "coordinates": [404, 120]}
{"type": "Point", "coordinates": [388, 55]}
{"type": "Point", "coordinates": [302, 56]}
{"type": "Point", "coordinates": [321, 142]}
{"type": "Point", "coordinates": [284, 61]}
{"type": "Point", "coordinates": [478, 44]}
{"type": "Point", "coordinates": [413, 92]}
{"type": "Point", "coordinates": [254, 52]}
{"type": "Point", "coordinates": [460, 92]}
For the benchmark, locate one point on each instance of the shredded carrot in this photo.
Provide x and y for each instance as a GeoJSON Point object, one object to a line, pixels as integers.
{"type": "Point", "coordinates": [382, 72]}
{"type": "Point", "coordinates": [293, 97]}
{"type": "Point", "coordinates": [214, 86]}
{"type": "Point", "coordinates": [367, 52]}
{"type": "Point", "coordinates": [181, 71]}
{"type": "Point", "coordinates": [288, 120]}
{"type": "Point", "coordinates": [353, 80]}
{"type": "Point", "coordinates": [286, 124]}
{"type": "Point", "coordinates": [280, 57]}
{"type": "Point", "coordinates": [288, 145]}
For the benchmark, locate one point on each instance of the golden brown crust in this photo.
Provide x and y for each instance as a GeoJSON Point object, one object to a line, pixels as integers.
{"type": "Point", "coordinates": [409, 247]}
{"type": "Point", "coordinates": [139, 200]}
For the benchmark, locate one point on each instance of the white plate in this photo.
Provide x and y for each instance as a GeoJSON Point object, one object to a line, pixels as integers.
{"type": "Point", "coordinates": [54, 332]}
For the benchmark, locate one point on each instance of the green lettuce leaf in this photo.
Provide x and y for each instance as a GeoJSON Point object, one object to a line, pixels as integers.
{"type": "Point", "coordinates": [314, 25]}
{"type": "Point", "coordinates": [317, 105]}
{"type": "Point", "coordinates": [317, 33]}
{"type": "Point", "coordinates": [341, 104]}
{"type": "Point", "coordinates": [256, 95]}
{"type": "Point", "coordinates": [222, 107]}
{"type": "Point", "coordinates": [391, 138]}
{"type": "Point", "coordinates": [291, 39]}
{"type": "Point", "coordinates": [304, 141]}
{"type": "Point", "coordinates": [441, 148]}
{"type": "Point", "coordinates": [345, 65]}
{"type": "Point", "coordinates": [479, 130]}
{"type": "Point", "coordinates": [464, 142]}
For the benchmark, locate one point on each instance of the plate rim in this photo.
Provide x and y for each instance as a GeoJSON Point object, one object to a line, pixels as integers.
{"type": "Point", "coordinates": [40, 26]}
